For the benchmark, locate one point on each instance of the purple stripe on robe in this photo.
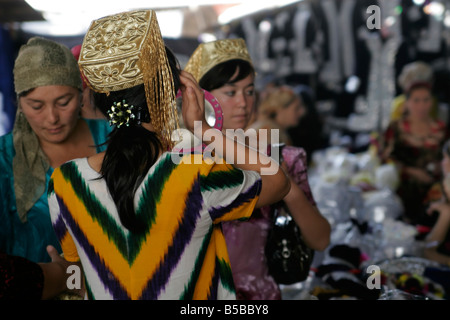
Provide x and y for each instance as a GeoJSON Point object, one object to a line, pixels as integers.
{"type": "Point", "coordinates": [194, 204]}
{"type": "Point", "coordinates": [106, 276]}
{"type": "Point", "coordinates": [244, 197]}
{"type": "Point", "coordinates": [60, 228]}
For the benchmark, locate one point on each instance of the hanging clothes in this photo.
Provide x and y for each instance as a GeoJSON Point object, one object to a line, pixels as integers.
{"type": "Point", "coordinates": [340, 38]}
{"type": "Point", "coordinates": [304, 50]}
{"type": "Point", "coordinates": [7, 95]}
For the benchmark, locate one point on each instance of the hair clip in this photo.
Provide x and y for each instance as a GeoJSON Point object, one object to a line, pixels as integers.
{"type": "Point", "coordinates": [120, 114]}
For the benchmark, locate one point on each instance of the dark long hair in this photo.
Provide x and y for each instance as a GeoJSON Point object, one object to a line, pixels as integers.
{"type": "Point", "coordinates": [131, 150]}
{"type": "Point", "coordinates": [222, 73]}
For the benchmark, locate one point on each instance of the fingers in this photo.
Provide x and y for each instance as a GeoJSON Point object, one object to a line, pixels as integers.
{"type": "Point", "coordinates": [188, 81]}
{"type": "Point", "coordinates": [52, 252]}
{"type": "Point", "coordinates": [193, 103]}
{"type": "Point", "coordinates": [187, 75]}
{"type": "Point", "coordinates": [190, 86]}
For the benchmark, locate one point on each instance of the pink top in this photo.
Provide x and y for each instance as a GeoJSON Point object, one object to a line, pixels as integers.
{"type": "Point", "coordinates": [246, 239]}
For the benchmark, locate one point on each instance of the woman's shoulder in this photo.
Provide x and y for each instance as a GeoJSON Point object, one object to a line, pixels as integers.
{"type": "Point", "coordinates": [195, 164]}
{"type": "Point", "coordinates": [6, 141]}
{"type": "Point", "coordinates": [100, 129]}
{"type": "Point", "coordinates": [98, 125]}
{"type": "Point", "coordinates": [400, 124]}
{"type": "Point", "coordinates": [263, 124]}
{"type": "Point", "coordinates": [295, 157]}
{"type": "Point", "coordinates": [6, 148]}
{"type": "Point", "coordinates": [97, 122]}
{"type": "Point", "coordinates": [73, 170]}
{"type": "Point", "coordinates": [294, 152]}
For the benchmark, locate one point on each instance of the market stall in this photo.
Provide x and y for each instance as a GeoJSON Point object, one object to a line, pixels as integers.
{"type": "Point", "coordinates": [372, 254]}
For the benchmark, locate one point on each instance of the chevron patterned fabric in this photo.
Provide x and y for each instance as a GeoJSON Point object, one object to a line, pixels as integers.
{"type": "Point", "coordinates": [182, 255]}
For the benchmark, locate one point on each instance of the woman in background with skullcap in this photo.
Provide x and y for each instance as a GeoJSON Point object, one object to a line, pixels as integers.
{"type": "Point", "coordinates": [143, 221]}
{"type": "Point", "coordinates": [413, 143]}
{"type": "Point", "coordinates": [413, 73]}
{"type": "Point", "coordinates": [47, 132]}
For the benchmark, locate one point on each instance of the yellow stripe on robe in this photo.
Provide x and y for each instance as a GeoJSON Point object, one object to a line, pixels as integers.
{"type": "Point", "coordinates": [156, 244]}
{"type": "Point", "coordinates": [221, 245]}
{"type": "Point", "coordinates": [69, 248]}
{"type": "Point", "coordinates": [223, 167]}
{"type": "Point", "coordinates": [153, 249]}
{"type": "Point", "coordinates": [222, 253]}
{"type": "Point", "coordinates": [237, 212]}
{"type": "Point", "coordinates": [93, 231]}
{"type": "Point", "coordinates": [201, 291]}
{"type": "Point", "coordinates": [240, 212]}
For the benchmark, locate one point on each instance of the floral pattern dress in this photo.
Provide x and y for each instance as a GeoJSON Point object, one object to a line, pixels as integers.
{"type": "Point", "coordinates": [405, 149]}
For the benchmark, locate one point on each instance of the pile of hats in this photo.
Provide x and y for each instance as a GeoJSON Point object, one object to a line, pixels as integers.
{"type": "Point", "coordinates": [341, 271]}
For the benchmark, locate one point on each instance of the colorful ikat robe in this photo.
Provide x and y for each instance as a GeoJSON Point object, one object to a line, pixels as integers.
{"type": "Point", "coordinates": [182, 255]}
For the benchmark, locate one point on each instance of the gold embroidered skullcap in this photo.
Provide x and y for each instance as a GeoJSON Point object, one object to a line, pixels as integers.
{"type": "Point", "coordinates": [124, 50]}
{"type": "Point", "coordinates": [210, 54]}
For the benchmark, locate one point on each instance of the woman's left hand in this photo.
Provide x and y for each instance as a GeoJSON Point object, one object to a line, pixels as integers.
{"type": "Point", "coordinates": [193, 103]}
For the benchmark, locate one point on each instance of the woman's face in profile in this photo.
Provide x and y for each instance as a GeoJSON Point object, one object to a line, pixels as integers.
{"type": "Point", "coordinates": [52, 111]}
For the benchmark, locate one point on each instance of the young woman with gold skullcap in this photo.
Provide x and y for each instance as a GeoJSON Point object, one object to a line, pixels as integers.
{"type": "Point", "coordinates": [144, 222]}
{"type": "Point", "coordinates": [225, 69]}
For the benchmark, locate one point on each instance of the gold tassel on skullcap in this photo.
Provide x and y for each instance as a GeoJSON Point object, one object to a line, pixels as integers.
{"type": "Point", "coordinates": [158, 78]}
{"type": "Point", "coordinates": [125, 50]}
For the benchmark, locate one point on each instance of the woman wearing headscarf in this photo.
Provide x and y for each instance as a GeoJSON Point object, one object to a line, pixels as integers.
{"type": "Point", "coordinates": [48, 131]}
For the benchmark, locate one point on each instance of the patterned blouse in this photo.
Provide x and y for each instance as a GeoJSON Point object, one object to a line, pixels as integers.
{"type": "Point", "coordinates": [403, 147]}
{"type": "Point", "coordinates": [182, 255]}
{"type": "Point", "coordinates": [407, 150]}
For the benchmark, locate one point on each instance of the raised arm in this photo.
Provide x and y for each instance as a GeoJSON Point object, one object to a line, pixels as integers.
{"type": "Point", "coordinates": [275, 184]}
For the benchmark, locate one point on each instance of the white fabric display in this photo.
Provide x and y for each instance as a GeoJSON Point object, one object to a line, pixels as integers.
{"type": "Point", "coordinates": [282, 63]}
{"type": "Point", "coordinates": [430, 40]}
{"type": "Point", "coordinates": [265, 29]}
{"type": "Point", "coordinates": [348, 42]}
{"type": "Point", "coordinates": [331, 71]}
{"type": "Point", "coordinates": [251, 39]}
{"type": "Point", "coordinates": [304, 60]}
{"type": "Point", "coordinates": [381, 89]}
{"type": "Point", "coordinates": [341, 41]}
